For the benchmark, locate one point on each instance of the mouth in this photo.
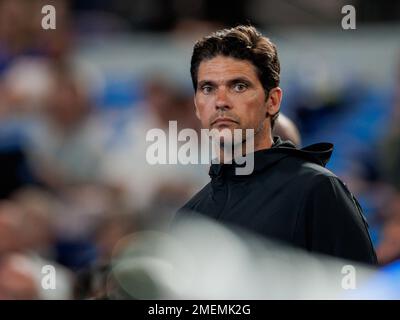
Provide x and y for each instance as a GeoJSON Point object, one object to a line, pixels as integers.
{"type": "Point", "coordinates": [223, 122]}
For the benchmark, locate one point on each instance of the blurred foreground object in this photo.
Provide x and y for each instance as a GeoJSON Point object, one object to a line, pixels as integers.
{"type": "Point", "coordinates": [201, 259]}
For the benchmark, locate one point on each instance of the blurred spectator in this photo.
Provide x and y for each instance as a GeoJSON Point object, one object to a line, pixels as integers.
{"type": "Point", "coordinates": [16, 279]}
{"type": "Point", "coordinates": [21, 32]}
{"type": "Point", "coordinates": [66, 146]}
{"type": "Point", "coordinates": [21, 279]}
{"type": "Point", "coordinates": [389, 160]}
{"type": "Point", "coordinates": [26, 222]}
{"type": "Point", "coordinates": [390, 156]}
{"type": "Point", "coordinates": [389, 248]}
{"type": "Point", "coordinates": [126, 164]}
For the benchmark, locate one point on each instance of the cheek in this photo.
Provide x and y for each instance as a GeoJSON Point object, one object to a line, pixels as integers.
{"type": "Point", "coordinates": [202, 109]}
{"type": "Point", "coordinates": [204, 102]}
{"type": "Point", "coordinates": [253, 107]}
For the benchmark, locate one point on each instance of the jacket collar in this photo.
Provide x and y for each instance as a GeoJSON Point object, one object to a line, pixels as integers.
{"type": "Point", "coordinates": [318, 153]}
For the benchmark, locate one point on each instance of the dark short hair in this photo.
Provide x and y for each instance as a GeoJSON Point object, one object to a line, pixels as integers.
{"type": "Point", "coordinates": [243, 43]}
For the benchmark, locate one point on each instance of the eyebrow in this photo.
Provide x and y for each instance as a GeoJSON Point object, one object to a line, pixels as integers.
{"type": "Point", "coordinates": [229, 82]}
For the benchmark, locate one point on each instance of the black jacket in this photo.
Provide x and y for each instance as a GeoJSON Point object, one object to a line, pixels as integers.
{"type": "Point", "coordinates": [290, 197]}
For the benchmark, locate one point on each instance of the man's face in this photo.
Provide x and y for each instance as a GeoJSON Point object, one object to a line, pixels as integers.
{"type": "Point", "coordinates": [230, 96]}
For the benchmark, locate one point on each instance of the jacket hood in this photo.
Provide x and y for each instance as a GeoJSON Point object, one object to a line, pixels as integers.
{"type": "Point", "coordinates": [319, 153]}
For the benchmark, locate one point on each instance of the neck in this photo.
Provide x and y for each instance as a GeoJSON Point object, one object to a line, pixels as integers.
{"type": "Point", "coordinates": [263, 136]}
{"type": "Point", "coordinates": [265, 143]}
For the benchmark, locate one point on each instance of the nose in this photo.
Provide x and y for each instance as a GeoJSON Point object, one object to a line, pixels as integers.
{"type": "Point", "coordinates": [222, 100]}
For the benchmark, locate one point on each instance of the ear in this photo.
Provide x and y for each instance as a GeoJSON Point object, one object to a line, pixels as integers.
{"type": "Point", "coordinates": [195, 107]}
{"type": "Point", "coordinates": [273, 103]}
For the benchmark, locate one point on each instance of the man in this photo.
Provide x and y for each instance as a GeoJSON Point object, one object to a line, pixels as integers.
{"type": "Point", "coordinates": [289, 196]}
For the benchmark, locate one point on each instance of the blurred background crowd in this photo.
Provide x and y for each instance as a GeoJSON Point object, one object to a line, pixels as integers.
{"type": "Point", "coordinates": [76, 104]}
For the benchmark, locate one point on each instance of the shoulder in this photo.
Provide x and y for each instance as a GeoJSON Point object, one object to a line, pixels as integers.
{"type": "Point", "coordinates": [303, 169]}
{"type": "Point", "coordinates": [327, 195]}
{"type": "Point", "coordinates": [314, 179]}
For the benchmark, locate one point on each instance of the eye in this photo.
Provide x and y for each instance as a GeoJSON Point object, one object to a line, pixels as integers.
{"type": "Point", "coordinates": [206, 89]}
{"type": "Point", "coordinates": [240, 87]}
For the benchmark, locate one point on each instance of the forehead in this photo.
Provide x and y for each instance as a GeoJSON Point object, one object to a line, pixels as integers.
{"type": "Point", "coordinates": [222, 68]}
